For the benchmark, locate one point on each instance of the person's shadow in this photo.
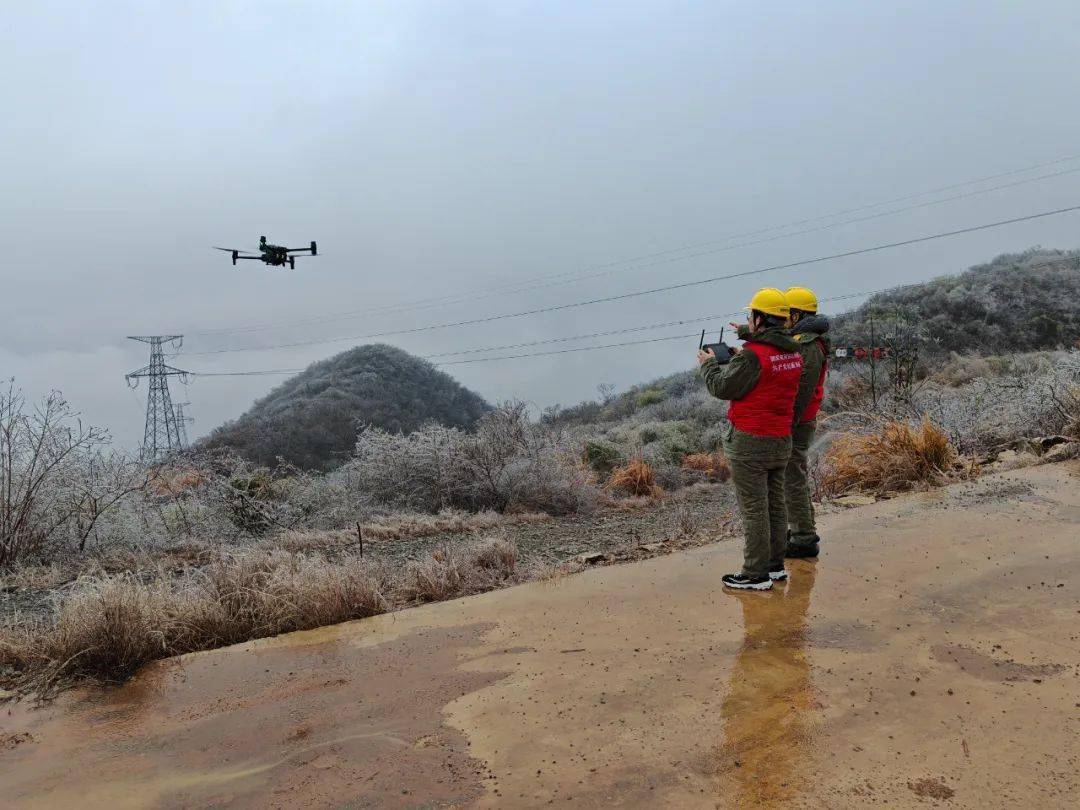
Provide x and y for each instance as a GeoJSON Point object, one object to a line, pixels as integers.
{"type": "Point", "coordinates": [769, 708]}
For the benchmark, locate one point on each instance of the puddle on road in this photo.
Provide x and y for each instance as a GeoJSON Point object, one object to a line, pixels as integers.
{"type": "Point", "coordinates": [989, 668]}
{"type": "Point", "coordinates": [249, 725]}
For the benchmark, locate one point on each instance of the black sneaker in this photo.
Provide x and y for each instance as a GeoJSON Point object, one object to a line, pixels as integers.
{"type": "Point", "coordinates": [778, 575]}
{"type": "Point", "coordinates": [744, 583]}
{"type": "Point", "coordinates": [798, 552]}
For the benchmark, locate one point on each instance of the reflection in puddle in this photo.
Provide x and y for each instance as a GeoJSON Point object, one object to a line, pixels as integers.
{"type": "Point", "coordinates": [767, 711]}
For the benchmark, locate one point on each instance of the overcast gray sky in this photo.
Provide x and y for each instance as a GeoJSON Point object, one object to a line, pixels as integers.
{"type": "Point", "coordinates": [434, 148]}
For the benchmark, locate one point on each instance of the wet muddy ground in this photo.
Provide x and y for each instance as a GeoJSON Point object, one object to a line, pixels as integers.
{"type": "Point", "coordinates": [931, 656]}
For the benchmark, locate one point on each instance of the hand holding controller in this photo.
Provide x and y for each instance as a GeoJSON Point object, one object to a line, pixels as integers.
{"type": "Point", "coordinates": [720, 350]}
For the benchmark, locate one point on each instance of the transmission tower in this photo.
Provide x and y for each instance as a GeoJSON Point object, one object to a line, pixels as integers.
{"type": "Point", "coordinates": [182, 422]}
{"type": "Point", "coordinates": [161, 437]}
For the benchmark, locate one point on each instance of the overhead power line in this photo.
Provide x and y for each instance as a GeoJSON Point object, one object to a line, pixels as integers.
{"type": "Point", "coordinates": [654, 290]}
{"type": "Point", "coordinates": [507, 347]}
{"type": "Point", "coordinates": [657, 340]}
{"type": "Point", "coordinates": [569, 351]}
{"type": "Point", "coordinates": [461, 362]}
{"type": "Point", "coordinates": [601, 270]}
{"type": "Point", "coordinates": [788, 235]}
{"type": "Point", "coordinates": [245, 373]}
{"type": "Point", "coordinates": [549, 341]}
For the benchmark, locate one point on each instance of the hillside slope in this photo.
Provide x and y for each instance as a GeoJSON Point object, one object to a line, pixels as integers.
{"type": "Point", "coordinates": [1017, 302]}
{"type": "Point", "coordinates": [311, 419]}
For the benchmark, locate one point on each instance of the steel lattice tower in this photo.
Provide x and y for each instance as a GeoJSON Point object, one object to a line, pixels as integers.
{"type": "Point", "coordinates": [181, 424]}
{"type": "Point", "coordinates": [161, 437]}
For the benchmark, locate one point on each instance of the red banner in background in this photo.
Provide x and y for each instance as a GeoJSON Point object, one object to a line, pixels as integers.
{"type": "Point", "coordinates": [861, 352]}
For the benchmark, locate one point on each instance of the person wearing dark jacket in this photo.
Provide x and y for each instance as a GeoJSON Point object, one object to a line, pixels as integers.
{"type": "Point", "coordinates": [809, 329]}
{"type": "Point", "coordinates": [761, 382]}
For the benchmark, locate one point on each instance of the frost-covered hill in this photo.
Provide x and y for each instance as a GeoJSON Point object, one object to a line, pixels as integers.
{"type": "Point", "coordinates": [311, 419]}
{"type": "Point", "coordinates": [1017, 302]}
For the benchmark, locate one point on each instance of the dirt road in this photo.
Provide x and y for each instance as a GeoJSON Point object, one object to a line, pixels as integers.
{"type": "Point", "coordinates": [931, 655]}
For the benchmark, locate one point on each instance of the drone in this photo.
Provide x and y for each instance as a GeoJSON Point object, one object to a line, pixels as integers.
{"type": "Point", "coordinates": [273, 255]}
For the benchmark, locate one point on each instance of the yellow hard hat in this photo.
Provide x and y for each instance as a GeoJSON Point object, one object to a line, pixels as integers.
{"type": "Point", "coordinates": [770, 301]}
{"type": "Point", "coordinates": [801, 298]}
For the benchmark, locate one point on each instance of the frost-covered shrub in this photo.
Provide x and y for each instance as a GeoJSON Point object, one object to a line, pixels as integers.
{"type": "Point", "coordinates": [649, 396]}
{"type": "Point", "coordinates": [669, 441]}
{"type": "Point", "coordinates": [411, 471]}
{"type": "Point", "coordinates": [712, 438]}
{"type": "Point", "coordinates": [692, 406]}
{"type": "Point", "coordinates": [58, 478]}
{"type": "Point", "coordinates": [331, 501]}
{"type": "Point", "coordinates": [601, 456]}
{"type": "Point", "coordinates": [649, 433]}
{"type": "Point", "coordinates": [671, 477]}
{"type": "Point", "coordinates": [1033, 398]}
{"type": "Point", "coordinates": [962, 369]}
{"type": "Point", "coordinates": [247, 500]}
{"type": "Point", "coordinates": [508, 462]}
{"type": "Point", "coordinates": [215, 498]}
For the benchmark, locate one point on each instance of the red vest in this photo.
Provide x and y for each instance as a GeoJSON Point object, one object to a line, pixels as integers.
{"type": "Point", "coordinates": [814, 406]}
{"type": "Point", "coordinates": [769, 408]}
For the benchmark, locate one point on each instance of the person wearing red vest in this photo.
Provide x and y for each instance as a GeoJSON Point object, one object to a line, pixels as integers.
{"type": "Point", "coordinates": [809, 329]}
{"type": "Point", "coordinates": [761, 382]}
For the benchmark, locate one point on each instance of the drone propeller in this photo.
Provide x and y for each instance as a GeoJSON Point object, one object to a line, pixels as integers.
{"type": "Point", "coordinates": [232, 250]}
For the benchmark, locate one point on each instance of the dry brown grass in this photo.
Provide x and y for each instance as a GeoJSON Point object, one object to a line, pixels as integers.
{"type": "Point", "coordinates": [41, 576]}
{"type": "Point", "coordinates": [401, 526]}
{"type": "Point", "coordinates": [107, 628]}
{"type": "Point", "coordinates": [629, 503]}
{"type": "Point", "coordinates": [681, 522]}
{"type": "Point", "coordinates": [852, 393]}
{"type": "Point", "coordinates": [175, 482]}
{"type": "Point", "coordinates": [407, 526]}
{"type": "Point", "coordinates": [452, 570]}
{"type": "Point", "coordinates": [109, 560]}
{"type": "Point", "coordinates": [713, 465]}
{"type": "Point", "coordinates": [893, 458]}
{"type": "Point", "coordinates": [173, 557]}
{"type": "Point", "coordinates": [634, 478]}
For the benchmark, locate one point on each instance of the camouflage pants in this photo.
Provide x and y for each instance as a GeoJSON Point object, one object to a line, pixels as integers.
{"type": "Point", "coordinates": [757, 471]}
{"type": "Point", "coordinates": [800, 511]}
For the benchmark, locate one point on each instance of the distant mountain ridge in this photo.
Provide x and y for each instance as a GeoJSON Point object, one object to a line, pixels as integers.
{"type": "Point", "coordinates": [1016, 302]}
{"type": "Point", "coordinates": [311, 419]}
